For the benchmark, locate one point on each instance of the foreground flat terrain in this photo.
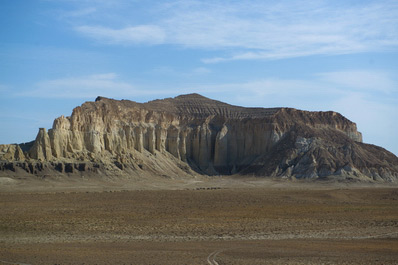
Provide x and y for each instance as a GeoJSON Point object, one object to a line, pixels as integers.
{"type": "Point", "coordinates": [219, 224]}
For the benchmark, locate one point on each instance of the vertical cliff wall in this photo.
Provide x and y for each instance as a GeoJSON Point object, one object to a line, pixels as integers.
{"type": "Point", "coordinates": [210, 136]}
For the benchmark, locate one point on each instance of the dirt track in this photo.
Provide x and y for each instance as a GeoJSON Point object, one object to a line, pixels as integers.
{"type": "Point", "coordinates": [263, 225]}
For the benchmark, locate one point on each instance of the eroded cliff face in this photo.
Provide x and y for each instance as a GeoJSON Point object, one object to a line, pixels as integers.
{"type": "Point", "coordinates": [194, 133]}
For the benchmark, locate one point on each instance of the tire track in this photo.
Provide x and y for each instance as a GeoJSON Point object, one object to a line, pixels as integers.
{"type": "Point", "coordinates": [211, 259]}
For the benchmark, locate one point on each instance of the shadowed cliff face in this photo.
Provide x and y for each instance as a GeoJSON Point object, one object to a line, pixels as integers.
{"type": "Point", "coordinates": [191, 132]}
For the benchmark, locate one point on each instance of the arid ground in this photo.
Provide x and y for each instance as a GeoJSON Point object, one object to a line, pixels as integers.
{"type": "Point", "coordinates": [213, 221]}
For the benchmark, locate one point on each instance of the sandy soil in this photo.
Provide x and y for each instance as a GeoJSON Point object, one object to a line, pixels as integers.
{"type": "Point", "coordinates": [201, 221]}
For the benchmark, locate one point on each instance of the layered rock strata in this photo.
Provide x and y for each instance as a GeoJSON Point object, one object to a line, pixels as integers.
{"type": "Point", "coordinates": [191, 132]}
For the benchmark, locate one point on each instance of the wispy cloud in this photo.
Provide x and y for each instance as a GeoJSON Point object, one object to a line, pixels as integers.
{"type": "Point", "coordinates": [106, 84]}
{"type": "Point", "coordinates": [273, 92]}
{"type": "Point", "coordinates": [261, 29]}
{"type": "Point", "coordinates": [91, 86]}
{"type": "Point", "coordinates": [362, 80]}
{"type": "Point", "coordinates": [147, 34]}
{"type": "Point", "coordinates": [321, 89]}
{"type": "Point", "coordinates": [184, 73]}
{"type": "Point", "coordinates": [85, 87]}
{"type": "Point", "coordinates": [261, 92]}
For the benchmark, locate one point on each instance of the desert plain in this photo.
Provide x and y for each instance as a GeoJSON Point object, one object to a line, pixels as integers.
{"type": "Point", "coordinates": [207, 220]}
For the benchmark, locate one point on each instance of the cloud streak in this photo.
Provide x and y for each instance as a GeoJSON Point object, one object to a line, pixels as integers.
{"type": "Point", "coordinates": [91, 86]}
{"type": "Point", "coordinates": [144, 34]}
{"type": "Point", "coordinates": [85, 87]}
{"type": "Point", "coordinates": [323, 85]}
{"type": "Point", "coordinates": [261, 30]}
{"type": "Point", "coordinates": [362, 80]}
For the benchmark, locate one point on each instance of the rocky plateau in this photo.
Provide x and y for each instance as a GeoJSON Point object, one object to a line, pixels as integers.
{"type": "Point", "coordinates": [192, 135]}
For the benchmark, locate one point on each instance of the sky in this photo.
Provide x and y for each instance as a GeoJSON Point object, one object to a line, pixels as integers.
{"type": "Point", "coordinates": [310, 55]}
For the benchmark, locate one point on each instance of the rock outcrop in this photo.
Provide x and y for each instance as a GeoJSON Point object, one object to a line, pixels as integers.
{"type": "Point", "coordinates": [191, 133]}
{"type": "Point", "coordinates": [11, 152]}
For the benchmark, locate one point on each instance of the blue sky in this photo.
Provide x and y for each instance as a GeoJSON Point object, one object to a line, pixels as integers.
{"type": "Point", "coordinates": [311, 55]}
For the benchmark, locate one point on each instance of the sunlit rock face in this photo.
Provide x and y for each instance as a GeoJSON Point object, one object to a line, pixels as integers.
{"type": "Point", "coordinates": [209, 137]}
